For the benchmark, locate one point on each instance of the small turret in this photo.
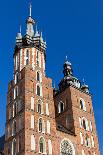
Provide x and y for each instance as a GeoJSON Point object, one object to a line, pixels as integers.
{"type": "Point", "coordinates": [68, 79]}
{"type": "Point", "coordinates": [19, 37]}
{"type": "Point", "coordinates": [67, 68]}
{"type": "Point", "coordinates": [85, 87]}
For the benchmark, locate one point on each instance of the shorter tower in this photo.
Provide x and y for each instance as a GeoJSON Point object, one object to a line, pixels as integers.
{"type": "Point", "coordinates": [74, 113]}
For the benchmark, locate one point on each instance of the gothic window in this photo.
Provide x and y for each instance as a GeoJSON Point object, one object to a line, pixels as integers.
{"type": "Point", "coordinates": [40, 125]}
{"type": "Point", "coordinates": [82, 104]}
{"type": "Point", "coordinates": [91, 128]}
{"type": "Point", "coordinates": [38, 90]}
{"type": "Point", "coordinates": [87, 141]}
{"type": "Point", "coordinates": [16, 78]}
{"type": "Point", "coordinates": [60, 107]}
{"type": "Point", "coordinates": [84, 124]}
{"type": "Point", "coordinates": [66, 148]}
{"type": "Point", "coordinates": [42, 147]}
{"type": "Point", "coordinates": [15, 92]}
{"type": "Point", "coordinates": [38, 76]}
{"type": "Point", "coordinates": [27, 57]}
{"type": "Point", "coordinates": [39, 108]}
{"type": "Point", "coordinates": [14, 109]}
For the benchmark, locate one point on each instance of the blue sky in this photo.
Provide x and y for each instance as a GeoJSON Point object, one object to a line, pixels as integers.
{"type": "Point", "coordinates": [70, 27]}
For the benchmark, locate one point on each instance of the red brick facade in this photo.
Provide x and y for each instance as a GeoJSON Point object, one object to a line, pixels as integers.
{"type": "Point", "coordinates": [41, 120]}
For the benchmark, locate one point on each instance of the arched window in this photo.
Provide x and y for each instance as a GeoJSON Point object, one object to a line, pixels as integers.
{"type": "Point", "coordinates": [87, 141]}
{"type": "Point", "coordinates": [84, 124]}
{"type": "Point", "coordinates": [67, 148]}
{"type": "Point", "coordinates": [40, 125]}
{"type": "Point", "coordinates": [42, 146]}
{"type": "Point", "coordinates": [39, 108]}
{"type": "Point", "coordinates": [38, 76]}
{"type": "Point", "coordinates": [27, 57]}
{"type": "Point", "coordinates": [82, 104]}
{"type": "Point", "coordinates": [60, 107]}
{"type": "Point", "coordinates": [38, 90]}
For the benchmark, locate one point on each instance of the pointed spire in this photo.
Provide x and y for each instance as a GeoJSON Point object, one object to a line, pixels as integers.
{"type": "Point", "coordinates": [30, 7]}
{"type": "Point", "coordinates": [20, 28]}
{"type": "Point", "coordinates": [66, 58]}
{"type": "Point", "coordinates": [83, 81]}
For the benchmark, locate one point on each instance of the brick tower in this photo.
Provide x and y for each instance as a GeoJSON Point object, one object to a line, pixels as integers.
{"type": "Point", "coordinates": [42, 120]}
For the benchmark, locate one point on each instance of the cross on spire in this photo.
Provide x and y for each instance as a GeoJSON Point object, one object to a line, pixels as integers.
{"type": "Point", "coordinates": [66, 58]}
{"type": "Point", "coordinates": [30, 7]}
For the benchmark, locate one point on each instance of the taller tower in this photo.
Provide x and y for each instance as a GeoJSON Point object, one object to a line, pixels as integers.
{"type": "Point", "coordinates": [40, 120]}
{"type": "Point", "coordinates": [30, 96]}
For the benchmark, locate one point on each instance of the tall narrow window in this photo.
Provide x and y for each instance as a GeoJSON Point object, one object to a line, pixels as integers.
{"type": "Point", "coordinates": [84, 124]}
{"type": "Point", "coordinates": [60, 107]}
{"type": "Point", "coordinates": [38, 76]}
{"type": "Point", "coordinates": [42, 147]}
{"type": "Point", "coordinates": [40, 125]}
{"type": "Point", "coordinates": [91, 128]}
{"type": "Point", "coordinates": [27, 57]}
{"type": "Point", "coordinates": [38, 90]}
{"type": "Point", "coordinates": [82, 104]}
{"type": "Point", "coordinates": [87, 141]}
{"type": "Point", "coordinates": [39, 108]}
{"type": "Point", "coordinates": [15, 92]}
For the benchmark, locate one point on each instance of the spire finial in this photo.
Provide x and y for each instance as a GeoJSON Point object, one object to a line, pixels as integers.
{"type": "Point", "coordinates": [66, 58]}
{"type": "Point", "coordinates": [30, 7]}
{"type": "Point", "coordinates": [83, 81]}
{"type": "Point", "coordinates": [20, 28]}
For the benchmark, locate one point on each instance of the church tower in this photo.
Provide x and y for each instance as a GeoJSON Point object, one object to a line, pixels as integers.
{"type": "Point", "coordinates": [42, 120]}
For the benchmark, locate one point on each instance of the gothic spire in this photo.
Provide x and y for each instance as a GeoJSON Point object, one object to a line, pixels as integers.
{"type": "Point", "coordinates": [30, 22]}
{"type": "Point", "coordinates": [30, 7]}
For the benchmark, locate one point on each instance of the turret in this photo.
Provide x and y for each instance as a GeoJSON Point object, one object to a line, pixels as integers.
{"type": "Point", "coordinates": [68, 79]}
